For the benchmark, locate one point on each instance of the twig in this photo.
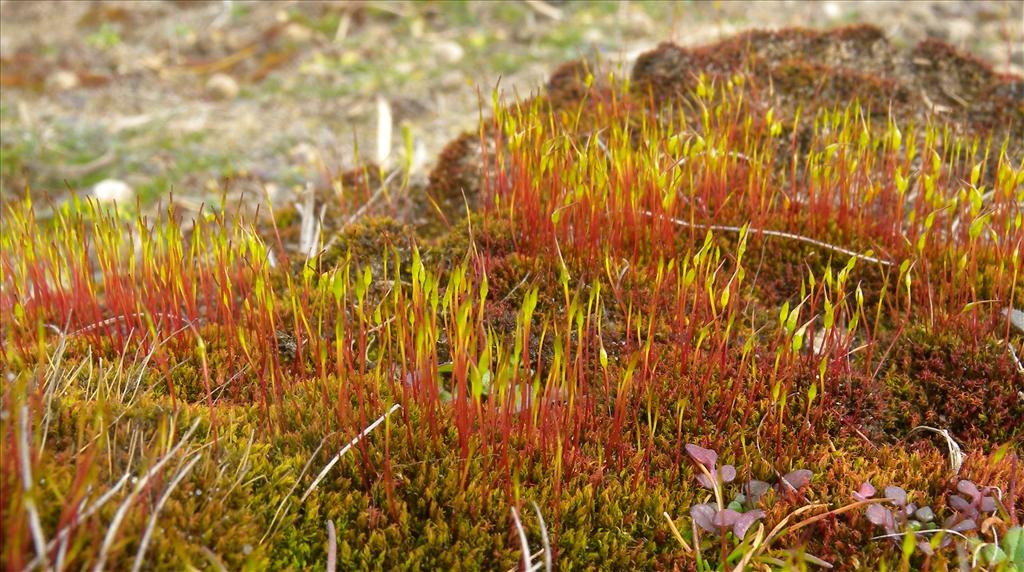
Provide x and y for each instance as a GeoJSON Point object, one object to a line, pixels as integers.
{"type": "Point", "coordinates": [775, 233]}
{"type": "Point", "coordinates": [108, 321]}
{"type": "Point", "coordinates": [346, 448]}
{"type": "Point", "coordinates": [923, 531]}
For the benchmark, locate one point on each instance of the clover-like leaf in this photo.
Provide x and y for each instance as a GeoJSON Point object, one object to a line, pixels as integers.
{"type": "Point", "coordinates": [897, 494]}
{"type": "Point", "coordinates": [965, 525]}
{"type": "Point", "coordinates": [745, 521]}
{"type": "Point", "coordinates": [706, 457]}
{"type": "Point", "coordinates": [725, 518]}
{"type": "Point", "coordinates": [864, 492]}
{"type": "Point", "coordinates": [960, 504]}
{"type": "Point", "coordinates": [881, 516]}
{"type": "Point", "coordinates": [726, 474]}
{"type": "Point", "coordinates": [755, 489]}
{"type": "Point", "coordinates": [703, 515]}
{"type": "Point", "coordinates": [796, 480]}
{"type": "Point", "coordinates": [988, 504]}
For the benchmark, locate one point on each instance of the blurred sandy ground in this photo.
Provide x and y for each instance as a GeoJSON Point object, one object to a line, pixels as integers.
{"type": "Point", "coordinates": [137, 99]}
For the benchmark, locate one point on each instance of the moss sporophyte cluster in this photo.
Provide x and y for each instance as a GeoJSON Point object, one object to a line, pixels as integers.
{"type": "Point", "coordinates": [682, 320]}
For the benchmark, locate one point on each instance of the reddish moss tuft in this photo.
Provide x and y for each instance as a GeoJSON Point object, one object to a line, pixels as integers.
{"type": "Point", "coordinates": [945, 379]}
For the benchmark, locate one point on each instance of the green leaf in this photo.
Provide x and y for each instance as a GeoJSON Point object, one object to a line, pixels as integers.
{"type": "Point", "coordinates": [1013, 545]}
{"type": "Point", "coordinates": [992, 554]}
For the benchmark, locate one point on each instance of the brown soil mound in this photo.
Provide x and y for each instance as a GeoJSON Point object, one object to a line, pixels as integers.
{"type": "Point", "coordinates": [805, 70]}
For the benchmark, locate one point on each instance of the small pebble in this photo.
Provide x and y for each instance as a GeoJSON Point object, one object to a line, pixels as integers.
{"type": "Point", "coordinates": [222, 86]}
{"type": "Point", "coordinates": [449, 51]}
{"type": "Point", "coordinates": [297, 33]}
{"type": "Point", "coordinates": [113, 190]}
{"type": "Point", "coordinates": [61, 80]}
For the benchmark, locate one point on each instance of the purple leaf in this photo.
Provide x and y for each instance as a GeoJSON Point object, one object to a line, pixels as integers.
{"type": "Point", "coordinates": [726, 518]}
{"type": "Point", "coordinates": [970, 489]}
{"type": "Point", "coordinates": [726, 474]}
{"type": "Point", "coordinates": [705, 481]}
{"type": "Point", "coordinates": [926, 547]}
{"type": "Point", "coordinates": [745, 521]}
{"type": "Point", "coordinates": [798, 479]}
{"type": "Point", "coordinates": [703, 515]}
{"type": "Point", "coordinates": [965, 525]}
{"type": "Point", "coordinates": [960, 504]}
{"type": "Point", "coordinates": [988, 504]}
{"type": "Point", "coordinates": [880, 516]}
{"type": "Point", "coordinates": [755, 489]}
{"type": "Point", "coordinates": [706, 457]}
{"type": "Point", "coordinates": [898, 495]}
{"type": "Point", "coordinates": [865, 492]}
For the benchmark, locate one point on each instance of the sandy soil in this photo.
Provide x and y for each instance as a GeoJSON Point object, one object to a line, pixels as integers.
{"type": "Point", "coordinates": [270, 98]}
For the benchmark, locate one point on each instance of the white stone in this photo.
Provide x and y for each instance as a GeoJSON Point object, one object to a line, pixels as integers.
{"type": "Point", "coordinates": [112, 190]}
{"type": "Point", "coordinates": [61, 80]}
{"type": "Point", "coordinates": [832, 10]}
{"type": "Point", "coordinates": [449, 51]}
{"type": "Point", "coordinates": [222, 86]}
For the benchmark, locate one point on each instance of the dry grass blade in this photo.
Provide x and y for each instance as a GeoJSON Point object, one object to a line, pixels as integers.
{"type": "Point", "coordinates": [144, 543]}
{"type": "Point", "coordinates": [956, 454]}
{"type": "Point", "coordinates": [753, 548]}
{"type": "Point", "coordinates": [34, 522]}
{"type": "Point", "coordinates": [295, 485]}
{"type": "Point", "coordinates": [1016, 358]}
{"type": "Point", "coordinates": [524, 544]}
{"type": "Point", "coordinates": [312, 222]}
{"type": "Point", "coordinates": [346, 448]}
{"type": "Point", "coordinates": [122, 510]}
{"type": "Point", "coordinates": [332, 547]}
{"type": "Point", "coordinates": [214, 560]}
{"type": "Point", "coordinates": [675, 532]}
{"type": "Point", "coordinates": [544, 538]}
{"type": "Point", "coordinates": [63, 534]}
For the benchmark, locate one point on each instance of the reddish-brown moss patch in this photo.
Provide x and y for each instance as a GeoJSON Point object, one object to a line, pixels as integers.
{"type": "Point", "coordinates": [948, 379]}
